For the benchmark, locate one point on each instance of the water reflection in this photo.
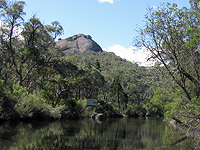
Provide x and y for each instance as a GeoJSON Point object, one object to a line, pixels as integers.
{"type": "Point", "coordinates": [112, 134]}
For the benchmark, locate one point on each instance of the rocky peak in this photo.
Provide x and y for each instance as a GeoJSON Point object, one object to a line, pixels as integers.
{"type": "Point", "coordinates": [79, 42]}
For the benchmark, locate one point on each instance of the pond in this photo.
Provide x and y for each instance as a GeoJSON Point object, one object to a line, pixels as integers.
{"type": "Point", "coordinates": [87, 134]}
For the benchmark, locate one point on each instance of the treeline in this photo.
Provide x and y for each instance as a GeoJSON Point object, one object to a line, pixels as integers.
{"type": "Point", "coordinates": [127, 86]}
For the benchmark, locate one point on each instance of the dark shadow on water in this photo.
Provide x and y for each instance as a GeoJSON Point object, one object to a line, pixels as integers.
{"type": "Point", "coordinates": [108, 134]}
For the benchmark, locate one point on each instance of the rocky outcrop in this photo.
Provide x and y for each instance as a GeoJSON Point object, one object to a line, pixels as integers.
{"type": "Point", "coordinates": [173, 123]}
{"type": "Point", "coordinates": [100, 116]}
{"type": "Point", "coordinates": [79, 42]}
{"type": "Point", "coordinates": [93, 115]}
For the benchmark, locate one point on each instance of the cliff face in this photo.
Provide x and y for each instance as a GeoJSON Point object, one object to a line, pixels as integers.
{"type": "Point", "coordinates": [79, 42]}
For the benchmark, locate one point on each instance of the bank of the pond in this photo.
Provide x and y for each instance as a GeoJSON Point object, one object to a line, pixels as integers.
{"type": "Point", "coordinates": [33, 109]}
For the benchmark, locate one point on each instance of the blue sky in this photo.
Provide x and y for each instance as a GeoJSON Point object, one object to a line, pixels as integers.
{"type": "Point", "coordinates": [111, 23]}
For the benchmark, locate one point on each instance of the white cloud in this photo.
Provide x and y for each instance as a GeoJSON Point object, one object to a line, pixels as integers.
{"type": "Point", "coordinates": [109, 1]}
{"type": "Point", "coordinates": [132, 54]}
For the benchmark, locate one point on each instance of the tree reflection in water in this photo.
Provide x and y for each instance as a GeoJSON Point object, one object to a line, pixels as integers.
{"type": "Point", "coordinates": [112, 134]}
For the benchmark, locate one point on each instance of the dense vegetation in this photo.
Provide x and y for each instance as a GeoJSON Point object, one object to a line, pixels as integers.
{"type": "Point", "coordinates": [172, 35]}
{"type": "Point", "coordinates": [38, 81]}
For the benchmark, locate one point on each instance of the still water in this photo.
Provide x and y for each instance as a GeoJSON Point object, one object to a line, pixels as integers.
{"type": "Point", "coordinates": [87, 134]}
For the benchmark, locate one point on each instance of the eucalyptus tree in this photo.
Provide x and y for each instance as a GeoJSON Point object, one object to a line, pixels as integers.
{"type": "Point", "coordinates": [116, 89]}
{"type": "Point", "coordinates": [25, 46]}
{"type": "Point", "coordinates": [93, 82]}
{"type": "Point", "coordinates": [89, 65]}
{"type": "Point", "coordinates": [12, 17]}
{"type": "Point", "coordinates": [55, 29]}
{"type": "Point", "coordinates": [172, 36]}
{"type": "Point", "coordinates": [27, 54]}
{"type": "Point", "coordinates": [97, 65]}
{"type": "Point", "coordinates": [59, 85]}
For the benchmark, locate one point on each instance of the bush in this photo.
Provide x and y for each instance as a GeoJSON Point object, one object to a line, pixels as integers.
{"type": "Point", "coordinates": [7, 111]}
{"type": "Point", "coordinates": [7, 104]}
{"type": "Point", "coordinates": [107, 109]}
{"type": "Point", "coordinates": [135, 110]}
{"type": "Point", "coordinates": [74, 109]}
{"type": "Point", "coordinates": [34, 106]}
{"type": "Point", "coordinates": [103, 107]}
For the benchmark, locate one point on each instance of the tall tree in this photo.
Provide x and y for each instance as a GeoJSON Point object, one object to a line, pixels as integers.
{"type": "Point", "coordinates": [97, 65]}
{"type": "Point", "coordinates": [172, 37]}
{"type": "Point", "coordinates": [89, 65]}
{"type": "Point", "coordinates": [23, 51]}
{"type": "Point", "coordinates": [55, 29]}
{"type": "Point", "coordinates": [116, 89]}
{"type": "Point", "coordinates": [12, 17]}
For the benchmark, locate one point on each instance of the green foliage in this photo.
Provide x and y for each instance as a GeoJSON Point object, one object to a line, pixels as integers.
{"type": "Point", "coordinates": [103, 107]}
{"type": "Point", "coordinates": [156, 106]}
{"type": "Point", "coordinates": [97, 65]}
{"type": "Point", "coordinates": [74, 109]}
{"type": "Point", "coordinates": [135, 110]}
{"type": "Point", "coordinates": [89, 65]}
{"type": "Point", "coordinates": [55, 29]}
{"type": "Point", "coordinates": [171, 34]}
{"type": "Point", "coordinates": [34, 106]}
{"type": "Point", "coordinates": [7, 108]}
{"type": "Point", "coordinates": [116, 89]}
{"type": "Point", "coordinates": [134, 79]}
{"type": "Point", "coordinates": [2, 92]}
{"type": "Point", "coordinates": [116, 86]}
{"type": "Point", "coordinates": [7, 103]}
{"type": "Point", "coordinates": [18, 91]}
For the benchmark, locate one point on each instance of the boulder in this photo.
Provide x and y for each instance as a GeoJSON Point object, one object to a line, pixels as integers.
{"type": "Point", "coordinates": [93, 115]}
{"type": "Point", "coordinates": [173, 123]}
{"type": "Point", "coordinates": [100, 116]}
{"type": "Point", "coordinates": [80, 42]}
{"type": "Point", "coordinates": [125, 115]}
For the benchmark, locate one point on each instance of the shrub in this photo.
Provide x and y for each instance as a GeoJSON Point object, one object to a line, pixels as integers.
{"type": "Point", "coordinates": [74, 109]}
{"type": "Point", "coordinates": [34, 106]}
{"type": "Point", "coordinates": [7, 104]}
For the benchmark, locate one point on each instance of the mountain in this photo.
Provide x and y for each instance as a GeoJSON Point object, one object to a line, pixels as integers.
{"type": "Point", "coordinates": [78, 43]}
{"type": "Point", "coordinates": [81, 49]}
